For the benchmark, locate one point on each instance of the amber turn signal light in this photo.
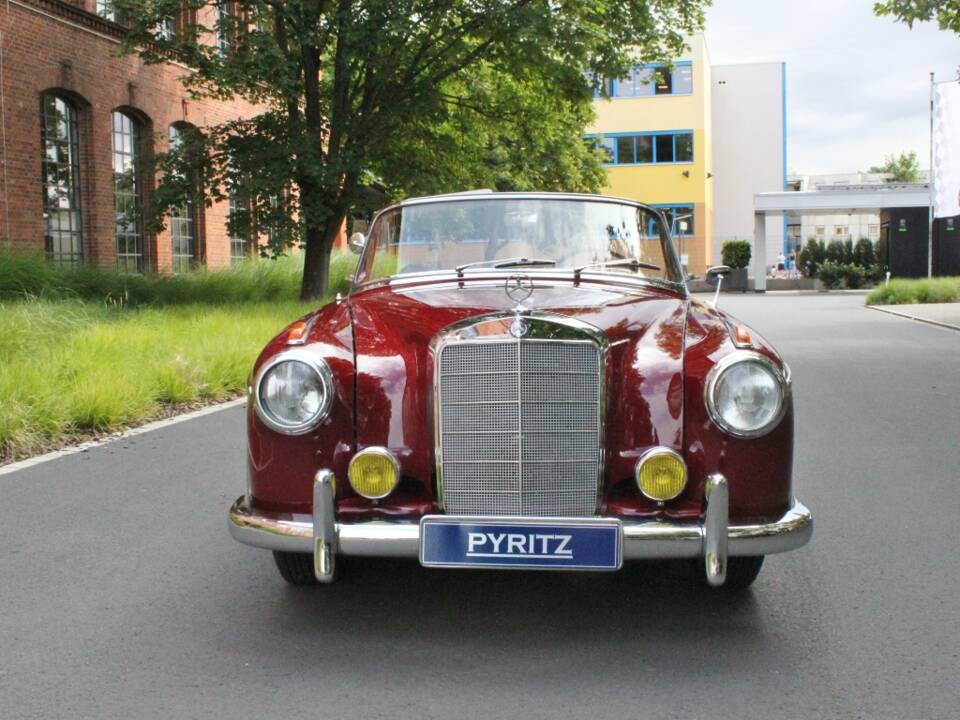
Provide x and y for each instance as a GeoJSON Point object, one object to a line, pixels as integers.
{"type": "Point", "coordinates": [297, 334]}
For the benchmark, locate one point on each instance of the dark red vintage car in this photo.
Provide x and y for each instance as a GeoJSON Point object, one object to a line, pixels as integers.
{"type": "Point", "coordinates": [520, 380]}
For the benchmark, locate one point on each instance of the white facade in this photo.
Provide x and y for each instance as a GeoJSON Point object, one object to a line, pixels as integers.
{"type": "Point", "coordinates": [749, 149]}
{"type": "Point", "coordinates": [843, 226]}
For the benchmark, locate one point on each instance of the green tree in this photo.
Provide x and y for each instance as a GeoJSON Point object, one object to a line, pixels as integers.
{"type": "Point", "coordinates": [946, 13]}
{"type": "Point", "coordinates": [904, 167]}
{"type": "Point", "coordinates": [412, 95]}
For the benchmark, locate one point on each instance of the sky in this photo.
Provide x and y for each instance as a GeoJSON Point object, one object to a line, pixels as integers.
{"type": "Point", "coordinates": [858, 86]}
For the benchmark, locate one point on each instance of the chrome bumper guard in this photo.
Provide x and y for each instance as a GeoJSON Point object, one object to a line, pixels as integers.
{"type": "Point", "coordinates": [714, 540]}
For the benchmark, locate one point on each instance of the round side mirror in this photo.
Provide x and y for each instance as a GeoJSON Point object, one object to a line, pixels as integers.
{"type": "Point", "coordinates": [718, 270]}
{"type": "Point", "coordinates": [357, 242]}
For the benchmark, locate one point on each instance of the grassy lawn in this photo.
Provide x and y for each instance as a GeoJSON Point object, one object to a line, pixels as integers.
{"type": "Point", "coordinates": [91, 352]}
{"type": "Point", "coordinates": [911, 292]}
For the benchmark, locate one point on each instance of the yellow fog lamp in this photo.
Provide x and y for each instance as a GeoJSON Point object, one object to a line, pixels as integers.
{"type": "Point", "coordinates": [661, 474]}
{"type": "Point", "coordinates": [374, 472]}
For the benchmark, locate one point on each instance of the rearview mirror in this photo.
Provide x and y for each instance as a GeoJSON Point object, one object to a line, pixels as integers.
{"type": "Point", "coordinates": [356, 242]}
{"type": "Point", "coordinates": [718, 270]}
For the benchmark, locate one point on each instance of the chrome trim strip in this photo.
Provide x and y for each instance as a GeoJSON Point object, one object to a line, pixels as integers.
{"type": "Point", "coordinates": [643, 539]}
{"type": "Point", "coordinates": [724, 364]}
{"type": "Point", "coordinates": [319, 366]}
{"type": "Point", "coordinates": [324, 526]}
{"type": "Point", "coordinates": [383, 452]}
{"type": "Point", "coordinates": [554, 274]}
{"type": "Point", "coordinates": [716, 532]}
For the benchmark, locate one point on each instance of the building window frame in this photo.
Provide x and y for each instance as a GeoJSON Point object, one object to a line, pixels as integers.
{"type": "Point", "coordinates": [186, 218]}
{"type": "Point", "coordinates": [127, 154]}
{"type": "Point", "coordinates": [689, 208]}
{"type": "Point", "coordinates": [240, 245]}
{"type": "Point", "coordinates": [61, 179]}
{"type": "Point", "coordinates": [225, 37]}
{"type": "Point", "coordinates": [680, 73]}
{"type": "Point", "coordinates": [613, 144]}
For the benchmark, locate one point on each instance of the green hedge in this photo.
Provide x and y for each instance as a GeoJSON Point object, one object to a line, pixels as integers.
{"type": "Point", "coordinates": [911, 292]}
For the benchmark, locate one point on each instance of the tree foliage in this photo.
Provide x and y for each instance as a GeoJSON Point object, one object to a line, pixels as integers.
{"type": "Point", "coordinates": [946, 13]}
{"type": "Point", "coordinates": [409, 96]}
{"type": "Point", "coordinates": [905, 167]}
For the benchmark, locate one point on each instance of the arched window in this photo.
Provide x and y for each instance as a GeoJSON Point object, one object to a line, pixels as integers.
{"type": "Point", "coordinates": [60, 139]}
{"type": "Point", "coordinates": [183, 218]}
{"type": "Point", "coordinates": [127, 191]}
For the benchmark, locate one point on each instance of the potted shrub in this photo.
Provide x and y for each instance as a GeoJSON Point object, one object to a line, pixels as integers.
{"type": "Point", "coordinates": [736, 255]}
{"type": "Point", "coordinates": [830, 273]}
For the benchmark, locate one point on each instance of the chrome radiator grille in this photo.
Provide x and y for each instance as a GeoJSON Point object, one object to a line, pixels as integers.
{"type": "Point", "coordinates": [519, 427]}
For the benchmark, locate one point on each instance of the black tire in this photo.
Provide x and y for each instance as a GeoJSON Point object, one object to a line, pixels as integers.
{"type": "Point", "coordinates": [742, 571]}
{"type": "Point", "coordinates": [295, 568]}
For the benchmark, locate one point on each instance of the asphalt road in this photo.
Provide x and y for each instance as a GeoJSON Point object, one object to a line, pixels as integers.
{"type": "Point", "coordinates": [122, 595]}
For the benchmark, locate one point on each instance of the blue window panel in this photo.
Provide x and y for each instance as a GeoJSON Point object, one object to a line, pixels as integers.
{"type": "Point", "coordinates": [626, 150]}
{"type": "Point", "coordinates": [643, 82]}
{"type": "Point", "coordinates": [645, 149]}
{"type": "Point", "coordinates": [663, 149]}
{"type": "Point", "coordinates": [659, 148]}
{"type": "Point", "coordinates": [676, 215]}
{"type": "Point", "coordinates": [682, 79]}
{"type": "Point", "coordinates": [608, 145]}
{"type": "Point", "coordinates": [651, 80]}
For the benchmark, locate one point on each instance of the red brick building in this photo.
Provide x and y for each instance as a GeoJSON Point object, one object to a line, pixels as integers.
{"type": "Point", "coordinates": [74, 120]}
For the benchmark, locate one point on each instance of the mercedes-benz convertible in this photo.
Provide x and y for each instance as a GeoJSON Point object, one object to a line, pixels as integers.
{"type": "Point", "coordinates": [520, 380]}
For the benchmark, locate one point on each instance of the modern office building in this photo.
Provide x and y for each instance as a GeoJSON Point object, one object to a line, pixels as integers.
{"type": "Point", "coordinates": [698, 141]}
{"type": "Point", "coordinates": [75, 120]}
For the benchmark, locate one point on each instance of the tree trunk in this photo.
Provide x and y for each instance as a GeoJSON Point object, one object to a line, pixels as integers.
{"type": "Point", "coordinates": [316, 261]}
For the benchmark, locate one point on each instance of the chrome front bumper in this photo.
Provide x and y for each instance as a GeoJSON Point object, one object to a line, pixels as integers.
{"type": "Point", "coordinates": [714, 540]}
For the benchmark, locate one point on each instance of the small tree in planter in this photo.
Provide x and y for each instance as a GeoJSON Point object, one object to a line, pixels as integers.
{"type": "Point", "coordinates": [836, 252]}
{"type": "Point", "coordinates": [864, 253]}
{"type": "Point", "coordinates": [813, 253]}
{"type": "Point", "coordinates": [735, 254]}
{"type": "Point", "coordinates": [853, 275]}
{"type": "Point", "coordinates": [830, 274]}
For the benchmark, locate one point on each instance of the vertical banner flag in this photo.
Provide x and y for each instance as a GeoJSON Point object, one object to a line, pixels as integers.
{"type": "Point", "coordinates": [946, 149]}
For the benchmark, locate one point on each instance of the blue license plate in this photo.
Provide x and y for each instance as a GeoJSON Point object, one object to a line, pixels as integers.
{"type": "Point", "coordinates": [563, 545]}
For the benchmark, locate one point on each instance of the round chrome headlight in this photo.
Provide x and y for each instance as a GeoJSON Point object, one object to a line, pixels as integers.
{"type": "Point", "coordinates": [293, 392]}
{"type": "Point", "coordinates": [747, 394]}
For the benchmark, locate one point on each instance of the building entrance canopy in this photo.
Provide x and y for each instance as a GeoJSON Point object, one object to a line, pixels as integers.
{"type": "Point", "coordinates": [848, 199]}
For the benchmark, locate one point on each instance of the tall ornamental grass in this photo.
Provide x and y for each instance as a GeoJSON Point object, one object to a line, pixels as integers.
{"type": "Point", "coordinates": [85, 350]}
{"type": "Point", "coordinates": [912, 292]}
{"type": "Point", "coordinates": [70, 369]}
{"type": "Point", "coordinates": [29, 275]}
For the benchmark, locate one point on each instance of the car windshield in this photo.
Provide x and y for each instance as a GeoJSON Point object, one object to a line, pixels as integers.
{"type": "Point", "coordinates": [478, 235]}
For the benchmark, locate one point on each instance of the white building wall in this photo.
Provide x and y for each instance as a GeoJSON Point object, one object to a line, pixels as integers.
{"type": "Point", "coordinates": [749, 147]}
{"type": "Point", "coordinates": [840, 226]}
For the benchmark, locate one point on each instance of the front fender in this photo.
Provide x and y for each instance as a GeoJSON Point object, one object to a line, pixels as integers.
{"type": "Point", "coordinates": [758, 470]}
{"type": "Point", "coordinates": [281, 467]}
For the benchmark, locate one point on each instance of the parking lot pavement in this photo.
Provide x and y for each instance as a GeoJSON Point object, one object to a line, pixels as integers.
{"type": "Point", "coordinates": [123, 596]}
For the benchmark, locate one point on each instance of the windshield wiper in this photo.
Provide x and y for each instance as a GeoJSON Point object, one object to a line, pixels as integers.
{"type": "Point", "coordinates": [505, 263]}
{"type": "Point", "coordinates": [631, 263]}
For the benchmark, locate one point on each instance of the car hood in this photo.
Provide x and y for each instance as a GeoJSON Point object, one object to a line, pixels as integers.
{"type": "Point", "coordinates": [393, 326]}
